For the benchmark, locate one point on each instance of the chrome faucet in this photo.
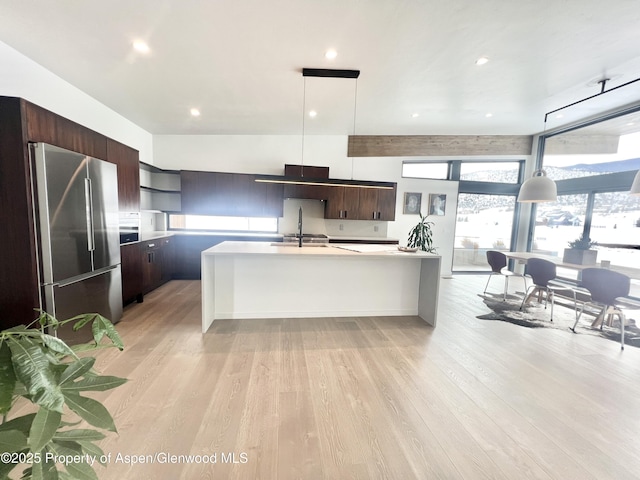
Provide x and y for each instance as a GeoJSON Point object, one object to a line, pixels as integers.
{"type": "Point", "coordinates": [300, 227]}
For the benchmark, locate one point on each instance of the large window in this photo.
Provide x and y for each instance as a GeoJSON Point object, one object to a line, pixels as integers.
{"type": "Point", "coordinates": [497, 172]}
{"type": "Point", "coordinates": [220, 223]}
{"type": "Point", "coordinates": [434, 170]}
{"type": "Point", "coordinates": [484, 222]}
{"type": "Point", "coordinates": [594, 164]}
{"type": "Point", "coordinates": [559, 223]}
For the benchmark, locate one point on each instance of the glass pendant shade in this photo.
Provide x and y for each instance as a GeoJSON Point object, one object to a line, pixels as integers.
{"type": "Point", "coordinates": [635, 188]}
{"type": "Point", "coordinates": [538, 189]}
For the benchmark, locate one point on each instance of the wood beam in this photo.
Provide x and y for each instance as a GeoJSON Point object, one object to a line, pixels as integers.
{"type": "Point", "coordinates": [438, 145]}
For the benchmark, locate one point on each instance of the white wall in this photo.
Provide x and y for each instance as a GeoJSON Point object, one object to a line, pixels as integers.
{"type": "Point", "coordinates": [22, 77]}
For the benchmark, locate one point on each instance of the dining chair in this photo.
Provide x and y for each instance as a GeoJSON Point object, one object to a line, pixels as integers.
{"type": "Point", "coordinates": [498, 263]}
{"type": "Point", "coordinates": [605, 287]}
{"type": "Point", "coordinates": [542, 273]}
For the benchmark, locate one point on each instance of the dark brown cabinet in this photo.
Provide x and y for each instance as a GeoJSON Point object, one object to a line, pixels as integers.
{"type": "Point", "coordinates": [342, 203]}
{"type": "Point", "coordinates": [361, 203]}
{"type": "Point", "coordinates": [127, 160]}
{"type": "Point", "coordinates": [131, 267]}
{"type": "Point", "coordinates": [157, 258]}
{"type": "Point", "coordinates": [229, 194]}
{"type": "Point", "coordinates": [314, 192]}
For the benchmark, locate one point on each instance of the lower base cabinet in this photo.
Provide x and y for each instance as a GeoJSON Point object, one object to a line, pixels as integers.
{"type": "Point", "coordinates": [131, 267]}
{"type": "Point", "coordinates": [157, 257]}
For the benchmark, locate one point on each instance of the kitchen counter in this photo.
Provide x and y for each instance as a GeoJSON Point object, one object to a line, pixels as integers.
{"type": "Point", "coordinates": [267, 280]}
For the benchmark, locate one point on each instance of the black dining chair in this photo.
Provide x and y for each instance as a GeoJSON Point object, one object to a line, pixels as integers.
{"type": "Point", "coordinates": [542, 273]}
{"type": "Point", "coordinates": [498, 263]}
{"type": "Point", "coordinates": [605, 287]}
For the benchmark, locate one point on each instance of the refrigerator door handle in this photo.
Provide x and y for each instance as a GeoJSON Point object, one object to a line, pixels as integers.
{"type": "Point", "coordinates": [91, 243]}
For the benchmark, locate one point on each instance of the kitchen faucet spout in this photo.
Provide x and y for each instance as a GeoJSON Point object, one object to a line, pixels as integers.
{"type": "Point", "coordinates": [300, 227]}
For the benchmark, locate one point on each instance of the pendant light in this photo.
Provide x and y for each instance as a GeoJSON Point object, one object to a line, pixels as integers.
{"type": "Point", "coordinates": [538, 189]}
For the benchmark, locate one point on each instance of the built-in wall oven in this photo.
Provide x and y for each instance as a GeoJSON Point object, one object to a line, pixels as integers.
{"type": "Point", "coordinates": [129, 227]}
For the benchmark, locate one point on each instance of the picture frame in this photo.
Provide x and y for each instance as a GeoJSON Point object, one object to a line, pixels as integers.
{"type": "Point", "coordinates": [437, 204]}
{"type": "Point", "coordinates": [412, 203]}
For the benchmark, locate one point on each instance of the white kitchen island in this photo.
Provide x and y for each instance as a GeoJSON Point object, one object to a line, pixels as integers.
{"type": "Point", "coordinates": [265, 280]}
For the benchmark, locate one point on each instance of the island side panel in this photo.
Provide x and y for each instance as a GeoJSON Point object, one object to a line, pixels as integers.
{"type": "Point", "coordinates": [429, 289]}
{"type": "Point", "coordinates": [208, 289]}
{"type": "Point", "coordinates": [287, 286]}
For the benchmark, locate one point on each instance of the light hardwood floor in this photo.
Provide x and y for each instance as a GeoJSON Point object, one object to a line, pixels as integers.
{"type": "Point", "coordinates": [360, 398]}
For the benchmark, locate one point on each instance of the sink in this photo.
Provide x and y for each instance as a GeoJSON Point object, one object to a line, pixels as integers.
{"type": "Point", "coordinates": [295, 244]}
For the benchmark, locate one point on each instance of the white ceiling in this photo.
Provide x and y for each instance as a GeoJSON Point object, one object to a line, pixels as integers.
{"type": "Point", "coordinates": [240, 61]}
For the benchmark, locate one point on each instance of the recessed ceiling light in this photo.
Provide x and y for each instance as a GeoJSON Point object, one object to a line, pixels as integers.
{"type": "Point", "coordinates": [482, 61]}
{"type": "Point", "coordinates": [195, 112]}
{"type": "Point", "coordinates": [489, 115]}
{"type": "Point", "coordinates": [415, 115]}
{"type": "Point", "coordinates": [559, 115]}
{"type": "Point", "coordinates": [331, 54]}
{"type": "Point", "coordinates": [140, 46]}
{"type": "Point", "coordinates": [313, 113]}
{"type": "Point", "coordinates": [631, 124]}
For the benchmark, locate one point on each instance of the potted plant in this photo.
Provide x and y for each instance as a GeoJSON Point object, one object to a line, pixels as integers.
{"type": "Point", "coordinates": [42, 369]}
{"type": "Point", "coordinates": [580, 251]}
{"type": "Point", "coordinates": [421, 236]}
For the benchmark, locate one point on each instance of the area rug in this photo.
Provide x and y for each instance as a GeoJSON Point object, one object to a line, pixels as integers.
{"type": "Point", "coordinates": [534, 315]}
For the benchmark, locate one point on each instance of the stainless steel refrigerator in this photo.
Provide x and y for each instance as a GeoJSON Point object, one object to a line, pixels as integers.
{"type": "Point", "coordinates": [77, 224]}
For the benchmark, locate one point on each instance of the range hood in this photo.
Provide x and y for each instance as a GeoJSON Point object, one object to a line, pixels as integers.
{"type": "Point", "coordinates": [323, 182]}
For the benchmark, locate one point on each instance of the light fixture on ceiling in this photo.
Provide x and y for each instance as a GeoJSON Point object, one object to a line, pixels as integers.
{"type": "Point", "coordinates": [415, 115]}
{"type": "Point", "coordinates": [331, 54]}
{"type": "Point", "coordinates": [324, 73]}
{"type": "Point", "coordinates": [141, 47]}
{"type": "Point", "coordinates": [538, 189]}
{"type": "Point", "coordinates": [313, 114]}
{"type": "Point", "coordinates": [194, 112]}
{"type": "Point", "coordinates": [482, 61]}
{"type": "Point", "coordinates": [635, 187]}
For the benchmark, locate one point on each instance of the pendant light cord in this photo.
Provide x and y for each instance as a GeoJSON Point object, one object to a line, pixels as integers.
{"type": "Point", "coordinates": [355, 110]}
{"type": "Point", "coordinates": [304, 99]}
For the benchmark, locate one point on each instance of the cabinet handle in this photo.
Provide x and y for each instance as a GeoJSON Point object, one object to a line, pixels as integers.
{"type": "Point", "coordinates": [374, 215]}
{"type": "Point", "coordinates": [151, 245]}
{"type": "Point", "coordinates": [346, 213]}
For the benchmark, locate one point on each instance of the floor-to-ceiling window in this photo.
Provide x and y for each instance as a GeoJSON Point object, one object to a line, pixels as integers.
{"type": "Point", "coordinates": [593, 165]}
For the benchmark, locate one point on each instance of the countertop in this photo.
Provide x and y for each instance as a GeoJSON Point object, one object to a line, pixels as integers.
{"type": "Point", "coordinates": [343, 250]}
{"type": "Point", "coordinates": [146, 236]}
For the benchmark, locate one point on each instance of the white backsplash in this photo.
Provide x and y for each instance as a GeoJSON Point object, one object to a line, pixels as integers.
{"type": "Point", "coordinates": [152, 222]}
{"type": "Point", "coordinates": [313, 221]}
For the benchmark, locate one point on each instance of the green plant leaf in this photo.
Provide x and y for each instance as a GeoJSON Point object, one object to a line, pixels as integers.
{"type": "Point", "coordinates": [57, 345]}
{"type": "Point", "coordinates": [22, 424]}
{"type": "Point", "coordinates": [12, 441]}
{"type": "Point", "coordinates": [5, 469]}
{"type": "Point", "coordinates": [78, 434]}
{"type": "Point", "coordinates": [45, 469]}
{"type": "Point", "coordinates": [101, 327]}
{"type": "Point", "coordinates": [92, 449]}
{"type": "Point", "coordinates": [7, 379]}
{"type": "Point", "coordinates": [34, 370]}
{"type": "Point", "coordinates": [77, 369]}
{"type": "Point", "coordinates": [77, 470]}
{"type": "Point", "coordinates": [90, 410]}
{"type": "Point", "coordinates": [43, 428]}
{"type": "Point", "coordinates": [94, 383]}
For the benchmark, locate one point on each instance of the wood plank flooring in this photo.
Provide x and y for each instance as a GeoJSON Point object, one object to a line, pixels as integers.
{"type": "Point", "coordinates": [368, 398]}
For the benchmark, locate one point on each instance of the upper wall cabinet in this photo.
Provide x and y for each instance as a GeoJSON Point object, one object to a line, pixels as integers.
{"type": "Point", "coordinates": [230, 194]}
{"type": "Point", "coordinates": [351, 203]}
{"type": "Point", "coordinates": [126, 158]}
